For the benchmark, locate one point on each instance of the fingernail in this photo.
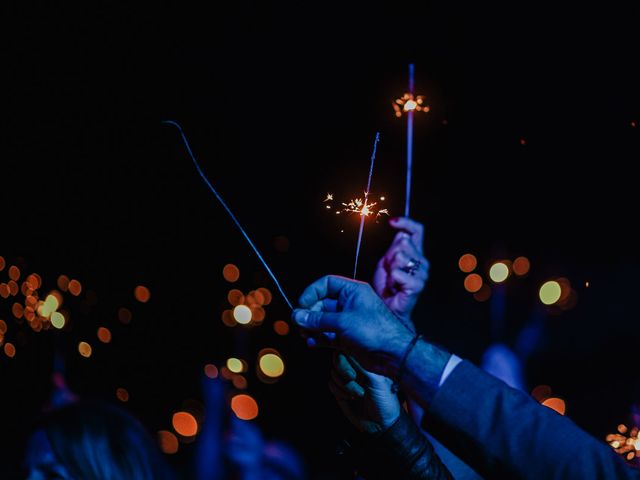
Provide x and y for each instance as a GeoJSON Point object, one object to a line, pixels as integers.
{"type": "Point", "coordinates": [300, 317]}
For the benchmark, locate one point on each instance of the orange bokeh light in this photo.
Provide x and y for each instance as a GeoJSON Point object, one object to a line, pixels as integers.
{"type": "Point", "coordinates": [235, 297]}
{"type": "Point", "coordinates": [84, 349]}
{"type": "Point", "coordinates": [14, 273]}
{"type": "Point", "coordinates": [168, 442]}
{"type": "Point", "coordinates": [142, 294]}
{"type": "Point", "coordinates": [74, 287]}
{"type": "Point", "coordinates": [13, 288]}
{"type": "Point", "coordinates": [3, 263]}
{"type": "Point", "coordinates": [556, 404]}
{"type": "Point", "coordinates": [231, 273]}
{"type": "Point", "coordinates": [17, 310]}
{"type": "Point", "coordinates": [63, 283]}
{"type": "Point", "coordinates": [9, 350]}
{"type": "Point", "coordinates": [266, 295]}
{"type": "Point", "coordinates": [3, 327]}
{"type": "Point", "coordinates": [521, 266]}
{"type": "Point", "coordinates": [473, 282]}
{"type": "Point", "coordinates": [541, 393]}
{"type": "Point", "coordinates": [124, 315]}
{"type": "Point", "coordinates": [239, 382]}
{"type": "Point", "coordinates": [122, 394]}
{"type": "Point", "coordinates": [483, 294]}
{"type": "Point", "coordinates": [467, 263]}
{"type": "Point", "coordinates": [211, 370]}
{"type": "Point", "coordinates": [244, 406]}
{"type": "Point", "coordinates": [281, 327]}
{"type": "Point", "coordinates": [185, 424]}
{"type": "Point", "coordinates": [104, 335]}
{"type": "Point", "coordinates": [4, 290]}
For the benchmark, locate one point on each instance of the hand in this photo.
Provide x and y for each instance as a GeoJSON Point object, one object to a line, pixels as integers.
{"type": "Point", "coordinates": [364, 397]}
{"type": "Point", "coordinates": [361, 323]}
{"type": "Point", "coordinates": [402, 272]}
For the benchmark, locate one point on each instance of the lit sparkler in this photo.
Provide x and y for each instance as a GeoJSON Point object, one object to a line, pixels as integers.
{"type": "Point", "coordinates": [626, 442]}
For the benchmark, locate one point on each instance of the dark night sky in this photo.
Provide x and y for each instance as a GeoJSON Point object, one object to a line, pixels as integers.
{"type": "Point", "coordinates": [281, 104]}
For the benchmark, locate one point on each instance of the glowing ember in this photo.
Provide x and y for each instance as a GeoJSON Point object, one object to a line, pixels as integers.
{"type": "Point", "coordinates": [410, 103]}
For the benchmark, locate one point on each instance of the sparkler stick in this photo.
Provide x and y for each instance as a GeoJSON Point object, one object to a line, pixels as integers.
{"type": "Point", "coordinates": [364, 208]}
{"type": "Point", "coordinates": [407, 200]}
{"type": "Point", "coordinates": [224, 205]}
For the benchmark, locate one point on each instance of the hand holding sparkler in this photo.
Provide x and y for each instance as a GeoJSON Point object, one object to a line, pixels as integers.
{"type": "Point", "coordinates": [402, 272]}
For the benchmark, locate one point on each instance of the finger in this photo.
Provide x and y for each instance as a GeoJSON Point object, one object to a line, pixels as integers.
{"type": "Point", "coordinates": [409, 283]}
{"type": "Point", "coordinates": [316, 321]}
{"type": "Point", "coordinates": [325, 305]}
{"type": "Point", "coordinates": [413, 228]}
{"type": "Point", "coordinates": [350, 388]}
{"type": "Point", "coordinates": [330, 286]}
{"type": "Point", "coordinates": [344, 367]}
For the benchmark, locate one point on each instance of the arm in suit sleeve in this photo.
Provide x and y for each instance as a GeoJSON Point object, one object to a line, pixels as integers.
{"type": "Point", "coordinates": [502, 432]}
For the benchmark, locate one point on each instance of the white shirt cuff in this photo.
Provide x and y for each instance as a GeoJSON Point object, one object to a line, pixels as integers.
{"type": "Point", "coordinates": [453, 362]}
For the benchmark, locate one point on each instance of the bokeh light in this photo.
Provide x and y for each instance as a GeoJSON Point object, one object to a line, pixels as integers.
{"type": "Point", "coordinates": [227, 318]}
{"type": "Point", "coordinates": [244, 406]}
{"type": "Point", "coordinates": [17, 310]}
{"type": "Point", "coordinates": [483, 294]}
{"type": "Point", "coordinates": [473, 282]}
{"type": "Point", "coordinates": [57, 320]}
{"type": "Point", "coordinates": [266, 295]}
{"type": "Point", "coordinates": [281, 327]}
{"type": "Point", "coordinates": [4, 290]}
{"type": "Point", "coordinates": [235, 297]}
{"type": "Point", "coordinates": [124, 315]}
{"type": "Point", "coordinates": [84, 349]}
{"type": "Point", "coordinates": [270, 363]}
{"type": "Point", "coordinates": [467, 263]}
{"type": "Point", "coordinates": [142, 294]}
{"type": "Point", "coordinates": [541, 393]}
{"type": "Point", "coordinates": [50, 305]}
{"type": "Point", "coordinates": [185, 424]}
{"type": "Point", "coordinates": [499, 272]}
{"type": "Point", "coordinates": [521, 266]}
{"type": "Point", "coordinates": [104, 335]}
{"type": "Point", "coordinates": [231, 273]}
{"type": "Point", "coordinates": [556, 404]}
{"type": "Point", "coordinates": [122, 394]}
{"type": "Point", "coordinates": [168, 442]}
{"type": "Point", "coordinates": [74, 287]}
{"type": "Point", "coordinates": [211, 371]}
{"type": "Point", "coordinates": [3, 263]}
{"type": "Point", "coordinates": [3, 327]}
{"type": "Point", "coordinates": [9, 350]}
{"type": "Point", "coordinates": [13, 288]}
{"type": "Point", "coordinates": [550, 292]}
{"type": "Point", "coordinates": [14, 273]}
{"type": "Point", "coordinates": [63, 283]}
{"type": "Point", "coordinates": [239, 382]}
{"type": "Point", "coordinates": [242, 314]}
{"type": "Point", "coordinates": [235, 365]}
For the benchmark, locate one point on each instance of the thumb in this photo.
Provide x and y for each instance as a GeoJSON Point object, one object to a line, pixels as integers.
{"type": "Point", "coordinates": [315, 321]}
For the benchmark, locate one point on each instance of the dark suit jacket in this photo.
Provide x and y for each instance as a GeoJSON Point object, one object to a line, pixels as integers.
{"type": "Point", "coordinates": [504, 433]}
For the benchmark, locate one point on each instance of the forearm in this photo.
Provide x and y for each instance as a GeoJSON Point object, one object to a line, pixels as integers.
{"type": "Point", "coordinates": [402, 451]}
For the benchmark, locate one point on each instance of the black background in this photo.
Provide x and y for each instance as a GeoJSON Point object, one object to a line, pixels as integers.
{"type": "Point", "coordinates": [281, 102]}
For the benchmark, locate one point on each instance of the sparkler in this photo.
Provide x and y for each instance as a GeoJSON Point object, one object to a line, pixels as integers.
{"type": "Point", "coordinates": [625, 443]}
{"type": "Point", "coordinates": [409, 103]}
{"type": "Point", "coordinates": [228, 210]}
{"type": "Point", "coordinates": [365, 207]}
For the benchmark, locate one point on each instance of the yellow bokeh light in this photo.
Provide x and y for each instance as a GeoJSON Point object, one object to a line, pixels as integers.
{"type": "Point", "coordinates": [50, 305]}
{"type": "Point", "coordinates": [57, 320]}
{"type": "Point", "coordinates": [235, 365]}
{"type": "Point", "coordinates": [85, 349]}
{"type": "Point", "coordinates": [499, 272]}
{"type": "Point", "coordinates": [550, 292]}
{"type": "Point", "coordinates": [271, 365]}
{"type": "Point", "coordinates": [242, 314]}
{"type": "Point", "coordinates": [185, 424]}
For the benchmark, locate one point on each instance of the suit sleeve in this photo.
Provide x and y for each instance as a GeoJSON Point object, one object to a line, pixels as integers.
{"type": "Point", "coordinates": [503, 433]}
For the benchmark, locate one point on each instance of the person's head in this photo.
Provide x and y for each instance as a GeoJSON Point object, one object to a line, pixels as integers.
{"type": "Point", "coordinates": [92, 441]}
